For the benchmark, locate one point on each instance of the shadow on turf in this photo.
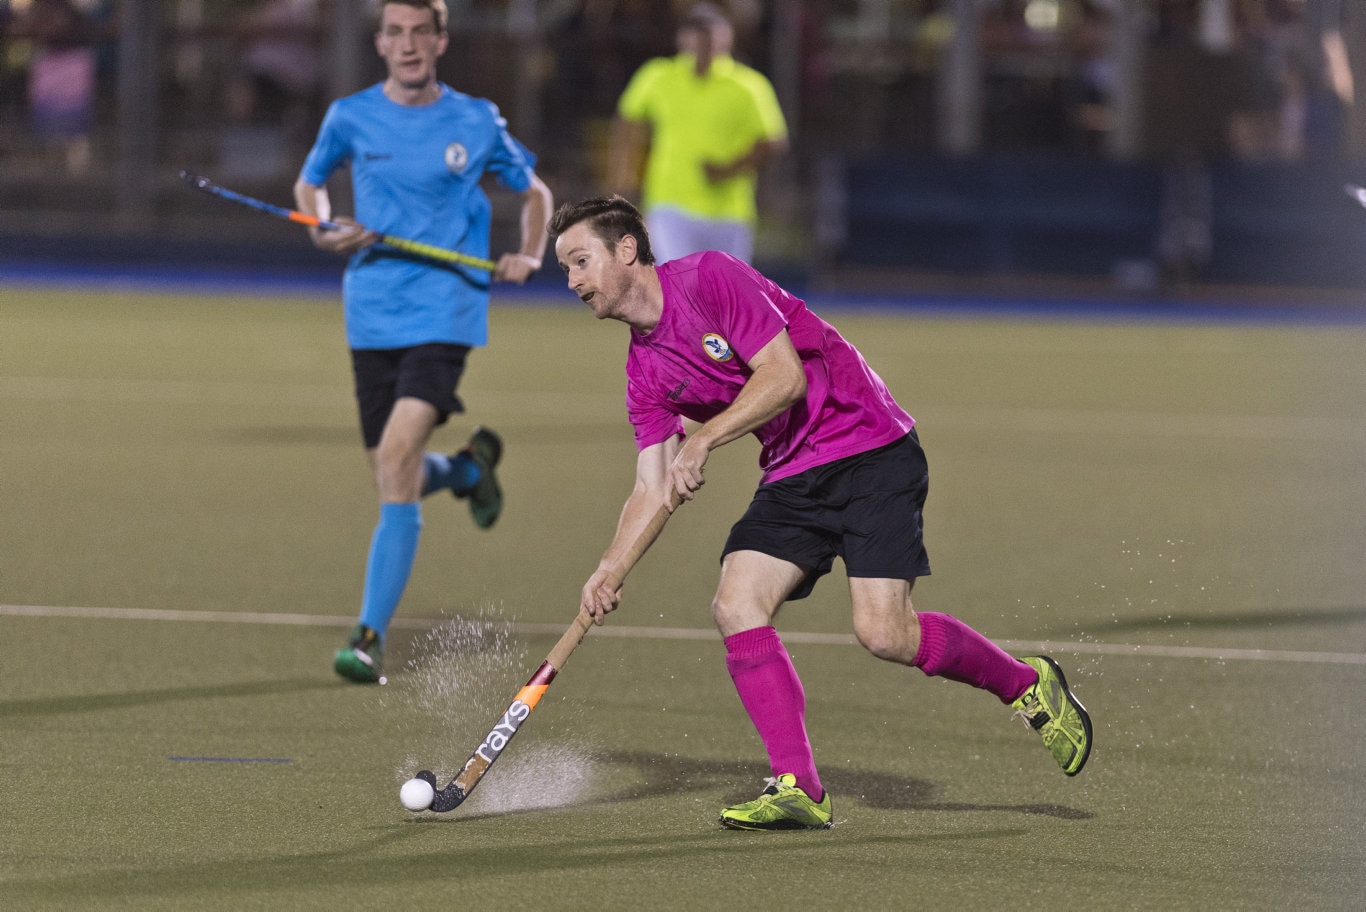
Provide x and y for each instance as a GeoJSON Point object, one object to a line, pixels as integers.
{"type": "Point", "coordinates": [52, 706]}
{"type": "Point", "coordinates": [374, 863]}
{"type": "Point", "coordinates": [665, 774]}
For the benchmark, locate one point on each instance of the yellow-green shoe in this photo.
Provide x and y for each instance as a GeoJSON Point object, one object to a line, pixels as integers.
{"type": "Point", "coordinates": [486, 497]}
{"type": "Point", "coordinates": [781, 806]}
{"type": "Point", "coordinates": [1050, 709]}
{"type": "Point", "coordinates": [362, 657]}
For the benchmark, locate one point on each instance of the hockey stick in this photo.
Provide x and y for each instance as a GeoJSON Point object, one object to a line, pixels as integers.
{"type": "Point", "coordinates": [440, 254]}
{"type": "Point", "coordinates": [495, 741]}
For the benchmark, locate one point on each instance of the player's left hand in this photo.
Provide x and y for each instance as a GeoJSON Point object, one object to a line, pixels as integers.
{"type": "Point", "coordinates": [346, 239]}
{"type": "Point", "coordinates": [515, 268]}
{"type": "Point", "coordinates": [686, 473]}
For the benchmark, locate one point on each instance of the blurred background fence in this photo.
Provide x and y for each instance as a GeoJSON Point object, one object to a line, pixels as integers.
{"type": "Point", "coordinates": [1139, 144]}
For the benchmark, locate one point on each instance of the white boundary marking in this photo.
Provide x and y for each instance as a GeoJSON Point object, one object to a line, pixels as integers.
{"type": "Point", "coordinates": [1078, 647]}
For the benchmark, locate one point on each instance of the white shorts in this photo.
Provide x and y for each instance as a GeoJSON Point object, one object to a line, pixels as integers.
{"type": "Point", "coordinates": [675, 234]}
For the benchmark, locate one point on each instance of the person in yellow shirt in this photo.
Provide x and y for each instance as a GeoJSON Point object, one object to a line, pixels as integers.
{"type": "Point", "coordinates": [702, 123]}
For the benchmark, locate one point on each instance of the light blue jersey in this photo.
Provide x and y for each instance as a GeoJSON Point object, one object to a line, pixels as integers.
{"type": "Point", "coordinates": [415, 172]}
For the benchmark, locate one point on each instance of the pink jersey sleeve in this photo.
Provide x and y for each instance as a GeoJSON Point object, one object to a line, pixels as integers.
{"type": "Point", "coordinates": [718, 312]}
{"type": "Point", "coordinates": [742, 302]}
{"type": "Point", "coordinates": [651, 421]}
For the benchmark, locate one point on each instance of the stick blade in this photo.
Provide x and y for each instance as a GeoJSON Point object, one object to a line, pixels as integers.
{"type": "Point", "coordinates": [445, 799]}
{"type": "Point", "coordinates": [448, 798]}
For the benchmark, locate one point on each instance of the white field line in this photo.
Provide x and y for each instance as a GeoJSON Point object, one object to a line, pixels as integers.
{"type": "Point", "coordinates": [1052, 421]}
{"type": "Point", "coordinates": [1080, 647]}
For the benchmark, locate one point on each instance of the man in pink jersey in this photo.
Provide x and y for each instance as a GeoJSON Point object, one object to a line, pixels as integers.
{"type": "Point", "coordinates": [718, 344]}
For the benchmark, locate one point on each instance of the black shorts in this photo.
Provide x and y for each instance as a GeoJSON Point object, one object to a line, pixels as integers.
{"type": "Point", "coordinates": [429, 372]}
{"type": "Point", "coordinates": [865, 509]}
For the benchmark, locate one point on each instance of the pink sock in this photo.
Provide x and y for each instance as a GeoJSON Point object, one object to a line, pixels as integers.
{"type": "Point", "coordinates": [772, 695]}
{"type": "Point", "coordinates": [951, 649]}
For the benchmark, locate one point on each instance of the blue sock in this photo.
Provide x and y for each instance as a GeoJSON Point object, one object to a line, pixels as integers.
{"type": "Point", "coordinates": [439, 471]}
{"type": "Point", "coordinates": [392, 550]}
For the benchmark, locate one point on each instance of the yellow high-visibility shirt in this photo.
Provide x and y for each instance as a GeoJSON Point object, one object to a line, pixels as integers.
{"type": "Point", "coordinates": [717, 118]}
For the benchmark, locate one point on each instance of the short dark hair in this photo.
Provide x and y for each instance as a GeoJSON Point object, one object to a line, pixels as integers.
{"type": "Point", "coordinates": [705, 16]}
{"type": "Point", "coordinates": [438, 8]}
{"type": "Point", "coordinates": [610, 218]}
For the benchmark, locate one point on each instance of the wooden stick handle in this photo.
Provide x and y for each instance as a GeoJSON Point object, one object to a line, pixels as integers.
{"type": "Point", "coordinates": [583, 621]}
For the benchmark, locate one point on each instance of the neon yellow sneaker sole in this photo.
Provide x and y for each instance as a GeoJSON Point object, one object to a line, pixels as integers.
{"type": "Point", "coordinates": [781, 806]}
{"type": "Point", "coordinates": [1050, 708]}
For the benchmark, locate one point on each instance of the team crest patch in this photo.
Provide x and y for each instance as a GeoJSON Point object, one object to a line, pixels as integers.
{"type": "Point", "coordinates": [457, 157]}
{"type": "Point", "coordinates": [717, 348]}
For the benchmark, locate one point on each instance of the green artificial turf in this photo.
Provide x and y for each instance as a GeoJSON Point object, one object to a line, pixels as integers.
{"type": "Point", "coordinates": [1177, 510]}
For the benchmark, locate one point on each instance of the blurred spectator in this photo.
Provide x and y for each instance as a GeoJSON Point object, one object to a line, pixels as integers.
{"type": "Point", "coordinates": [1271, 127]}
{"type": "Point", "coordinates": [61, 77]}
{"type": "Point", "coordinates": [1184, 131]}
{"type": "Point", "coordinates": [274, 92]}
{"type": "Point", "coordinates": [1328, 91]}
{"type": "Point", "coordinates": [1303, 84]}
{"type": "Point", "coordinates": [1091, 81]}
{"type": "Point", "coordinates": [704, 123]}
{"type": "Point", "coordinates": [280, 78]}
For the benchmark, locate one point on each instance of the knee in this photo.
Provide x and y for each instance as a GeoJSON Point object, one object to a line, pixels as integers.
{"type": "Point", "coordinates": [891, 642]}
{"type": "Point", "coordinates": [733, 615]}
{"type": "Point", "coordinates": [386, 458]}
{"type": "Point", "coordinates": [398, 471]}
{"type": "Point", "coordinates": [723, 612]}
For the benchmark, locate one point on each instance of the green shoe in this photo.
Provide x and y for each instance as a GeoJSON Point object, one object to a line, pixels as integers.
{"type": "Point", "coordinates": [486, 498]}
{"type": "Point", "coordinates": [1049, 708]}
{"type": "Point", "coordinates": [362, 657]}
{"type": "Point", "coordinates": [781, 806]}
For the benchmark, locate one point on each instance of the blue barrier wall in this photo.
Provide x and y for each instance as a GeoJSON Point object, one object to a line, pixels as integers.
{"type": "Point", "coordinates": [1267, 224]}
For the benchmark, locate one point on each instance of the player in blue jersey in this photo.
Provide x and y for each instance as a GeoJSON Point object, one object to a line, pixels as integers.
{"type": "Point", "coordinates": [417, 150]}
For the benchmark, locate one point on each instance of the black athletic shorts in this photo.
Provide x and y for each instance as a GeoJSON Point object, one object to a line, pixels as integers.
{"type": "Point", "coordinates": [429, 372]}
{"type": "Point", "coordinates": [865, 509]}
